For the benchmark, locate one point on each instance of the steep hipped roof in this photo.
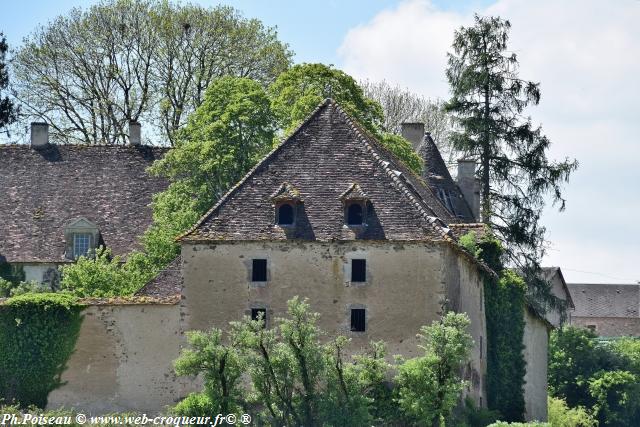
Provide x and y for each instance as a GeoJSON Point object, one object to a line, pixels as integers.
{"type": "Point", "coordinates": [437, 176]}
{"type": "Point", "coordinates": [43, 190]}
{"type": "Point", "coordinates": [321, 159]}
{"type": "Point", "coordinates": [605, 300]}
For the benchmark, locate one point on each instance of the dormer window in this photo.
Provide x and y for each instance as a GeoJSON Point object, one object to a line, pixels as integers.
{"type": "Point", "coordinates": [81, 244]}
{"type": "Point", "coordinates": [286, 199]}
{"type": "Point", "coordinates": [355, 206]}
{"type": "Point", "coordinates": [285, 214]}
{"type": "Point", "coordinates": [81, 238]}
{"type": "Point", "coordinates": [354, 214]}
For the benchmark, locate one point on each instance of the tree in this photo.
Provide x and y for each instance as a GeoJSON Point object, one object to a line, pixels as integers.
{"type": "Point", "coordinates": [560, 415]}
{"type": "Point", "coordinates": [488, 102]}
{"type": "Point", "coordinates": [221, 366]}
{"type": "Point", "coordinates": [401, 105]}
{"type": "Point", "coordinates": [574, 358]}
{"type": "Point", "coordinates": [8, 111]}
{"type": "Point", "coordinates": [429, 387]}
{"type": "Point", "coordinates": [299, 90]}
{"type": "Point", "coordinates": [617, 398]}
{"type": "Point", "coordinates": [90, 72]}
{"type": "Point", "coordinates": [230, 131]}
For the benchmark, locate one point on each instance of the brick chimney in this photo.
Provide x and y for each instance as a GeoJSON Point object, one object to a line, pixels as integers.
{"type": "Point", "coordinates": [469, 185]}
{"type": "Point", "coordinates": [414, 133]}
{"type": "Point", "coordinates": [39, 134]}
{"type": "Point", "coordinates": [135, 133]}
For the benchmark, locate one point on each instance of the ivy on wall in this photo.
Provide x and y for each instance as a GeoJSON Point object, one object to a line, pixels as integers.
{"type": "Point", "coordinates": [504, 308]}
{"type": "Point", "coordinates": [38, 333]}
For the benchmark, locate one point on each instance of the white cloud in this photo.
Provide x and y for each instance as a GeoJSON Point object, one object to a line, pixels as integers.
{"type": "Point", "coordinates": [586, 54]}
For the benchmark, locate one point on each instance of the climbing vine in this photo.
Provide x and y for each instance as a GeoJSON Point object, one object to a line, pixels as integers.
{"type": "Point", "coordinates": [38, 333]}
{"type": "Point", "coordinates": [504, 307]}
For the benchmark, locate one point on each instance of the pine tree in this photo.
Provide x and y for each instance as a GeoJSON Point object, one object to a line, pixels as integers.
{"type": "Point", "coordinates": [488, 102]}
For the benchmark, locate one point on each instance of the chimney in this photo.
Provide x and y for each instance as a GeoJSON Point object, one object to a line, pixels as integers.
{"type": "Point", "coordinates": [135, 133]}
{"type": "Point", "coordinates": [414, 133]}
{"type": "Point", "coordinates": [39, 134]}
{"type": "Point", "coordinates": [469, 185]}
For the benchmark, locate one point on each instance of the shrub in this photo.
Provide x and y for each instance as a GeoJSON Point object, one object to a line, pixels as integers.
{"type": "Point", "coordinates": [37, 335]}
{"type": "Point", "coordinates": [531, 424]}
{"type": "Point", "coordinates": [196, 405]}
{"type": "Point", "coordinates": [560, 415]}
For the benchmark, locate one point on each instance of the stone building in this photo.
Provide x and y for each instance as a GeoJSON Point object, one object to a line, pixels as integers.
{"type": "Point", "coordinates": [62, 201]}
{"type": "Point", "coordinates": [610, 310]}
{"type": "Point", "coordinates": [329, 214]}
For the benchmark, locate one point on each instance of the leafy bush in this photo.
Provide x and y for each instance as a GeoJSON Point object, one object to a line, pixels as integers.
{"type": "Point", "coordinates": [531, 424]}
{"type": "Point", "coordinates": [101, 276]}
{"type": "Point", "coordinates": [617, 398]}
{"type": "Point", "coordinates": [196, 404]}
{"type": "Point", "coordinates": [37, 335]}
{"type": "Point", "coordinates": [560, 415]}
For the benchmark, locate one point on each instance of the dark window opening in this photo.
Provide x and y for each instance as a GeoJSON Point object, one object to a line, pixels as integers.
{"type": "Point", "coordinates": [259, 270]}
{"type": "Point", "coordinates": [358, 270]}
{"type": "Point", "coordinates": [592, 328]}
{"type": "Point", "coordinates": [285, 214]}
{"type": "Point", "coordinates": [358, 319]}
{"type": "Point", "coordinates": [259, 314]}
{"type": "Point", "coordinates": [355, 214]}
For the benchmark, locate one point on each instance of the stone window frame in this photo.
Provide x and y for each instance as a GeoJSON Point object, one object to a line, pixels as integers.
{"type": "Point", "coordinates": [348, 272]}
{"type": "Point", "coordinates": [354, 195]}
{"type": "Point", "coordinates": [249, 264]}
{"type": "Point", "coordinates": [367, 315]}
{"type": "Point", "coordinates": [286, 194]}
{"type": "Point", "coordinates": [294, 208]}
{"type": "Point", "coordinates": [80, 226]}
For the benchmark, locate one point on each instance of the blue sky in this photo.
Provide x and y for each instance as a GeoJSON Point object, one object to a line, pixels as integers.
{"type": "Point", "coordinates": [585, 53]}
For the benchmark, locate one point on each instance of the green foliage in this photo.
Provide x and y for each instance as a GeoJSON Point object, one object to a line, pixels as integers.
{"type": "Point", "coordinates": [574, 357]}
{"type": "Point", "coordinates": [37, 335]}
{"type": "Point", "coordinates": [221, 367]}
{"type": "Point", "coordinates": [504, 301]}
{"type": "Point", "coordinates": [560, 415]}
{"type": "Point", "coordinates": [472, 416]}
{"type": "Point", "coordinates": [629, 349]}
{"type": "Point", "coordinates": [505, 305]}
{"type": "Point", "coordinates": [299, 90]}
{"type": "Point", "coordinates": [8, 289]}
{"type": "Point", "coordinates": [297, 378]}
{"type": "Point", "coordinates": [617, 398]}
{"type": "Point", "coordinates": [8, 111]}
{"type": "Point", "coordinates": [429, 386]}
{"type": "Point", "coordinates": [225, 137]}
{"type": "Point", "coordinates": [488, 102]}
{"type": "Point", "coordinates": [11, 272]}
{"type": "Point", "coordinates": [531, 424]}
{"type": "Point", "coordinates": [100, 276]}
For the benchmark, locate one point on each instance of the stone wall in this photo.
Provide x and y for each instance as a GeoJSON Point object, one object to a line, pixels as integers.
{"type": "Point", "coordinates": [610, 326]}
{"type": "Point", "coordinates": [405, 288]}
{"type": "Point", "coordinates": [123, 361]}
{"type": "Point", "coordinates": [536, 343]}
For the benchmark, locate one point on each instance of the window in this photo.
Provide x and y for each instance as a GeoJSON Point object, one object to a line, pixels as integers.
{"type": "Point", "coordinates": [592, 328]}
{"type": "Point", "coordinates": [285, 214]}
{"type": "Point", "coordinates": [259, 313]}
{"type": "Point", "coordinates": [358, 270]}
{"type": "Point", "coordinates": [355, 214]}
{"type": "Point", "coordinates": [81, 244]}
{"type": "Point", "coordinates": [358, 323]}
{"type": "Point", "coordinates": [259, 270]}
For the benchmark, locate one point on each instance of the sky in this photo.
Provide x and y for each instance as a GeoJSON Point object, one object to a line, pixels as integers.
{"type": "Point", "coordinates": [584, 53]}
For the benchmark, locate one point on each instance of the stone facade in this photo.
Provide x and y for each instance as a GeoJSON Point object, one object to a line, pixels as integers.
{"type": "Point", "coordinates": [536, 343]}
{"type": "Point", "coordinates": [123, 361]}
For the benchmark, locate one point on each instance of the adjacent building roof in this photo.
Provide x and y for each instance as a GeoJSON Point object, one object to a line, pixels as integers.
{"type": "Point", "coordinates": [322, 160]}
{"type": "Point", "coordinates": [44, 190]}
{"type": "Point", "coordinates": [605, 300]}
{"type": "Point", "coordinates": [167, 283]}
{"type": "Point", "coordinates": [437, 176]}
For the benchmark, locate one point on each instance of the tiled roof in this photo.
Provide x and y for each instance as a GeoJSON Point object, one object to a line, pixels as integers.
{"type": "Point", "coordinates": [322, 159]}
{"type": "Point", "coordinates": [605, 300]}
{"type": "Point", "coordinates": [167, 283]}
{"type": "Point", "coordinates": [43, 190]}
{"type": "Point", "coordinates": [437, 176]}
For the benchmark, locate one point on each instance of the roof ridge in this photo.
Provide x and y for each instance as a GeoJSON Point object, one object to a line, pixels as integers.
{"type": "Point", "coordinates": [251, 171]}
{"type": "Point", "coordinates": [420, 206]}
